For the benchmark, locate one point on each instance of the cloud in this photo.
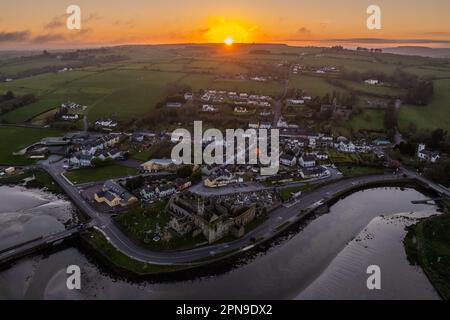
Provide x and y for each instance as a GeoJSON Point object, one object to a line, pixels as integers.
{"type": "Point", "coordinates": [59, 22]}
{"type": "Point", "coordinates": [92, 17]}
{"type": "Point", "coordinates": [16, 36]}
{"type": "Point", "coordinates": [128, 24]}
{"type": "Point", "coordinates": [45, 38]}
{"type": "Point", "coordinates": [382, 40]}
{"type": "Point", "coordinates": [56, 22]}
{"type": "Point", "coordinates": [304, 31]}
{"type": "Point", "coordinates": [436, 34]}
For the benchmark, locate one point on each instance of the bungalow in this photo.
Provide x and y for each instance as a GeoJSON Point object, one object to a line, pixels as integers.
{"type": "Point", "coordinates": [106, 123]}
{"type": "Point", "coordinates": [371, 81]}
{"type": "Point", "coordinates": [114, 195]}
{"type": "Point", "coordinates": [295, 102]}
{"type": "Point", "coordinates": [307, 161]}
{"type": "Point", "coordinates": [165, 190]}
{"type": "Point", "coordinates": [322, 156]}
{"type": "Point", "coordinates": [208, 108]}
{"type": "Point", "coordinates": [288, 160]}
{"type": "Point", "coordinates": [174, 105]}
{"type": "Point", "coordinates": [70, 117]}
{"type": "Point", "coordinates": [240, 110]}
{"type": "Point", "coordinates": [346, 146]}
{"type": "Point", "coordinates": [314, 173]}
{"type": "Point", "coordinates": [156, 165]}
{"type": "Point", "coordinates": [81, 160]}
{"type": "Point", "coordinates": [221, 179]}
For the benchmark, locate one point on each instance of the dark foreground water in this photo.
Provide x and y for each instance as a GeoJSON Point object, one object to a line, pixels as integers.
{"type": "Point", "coordinates": [310, 264]}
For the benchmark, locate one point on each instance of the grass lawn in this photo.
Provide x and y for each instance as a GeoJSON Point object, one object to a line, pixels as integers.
{"type": "Point", "coordinates": [356, 171]}
{"type": "Point", "coordinates": [287, 192]}
{"type": "Point", "coordinates": [435, 115]}
{"type": "Point", "coordinates": [341, 157]}
{"type": "Point", "coordinates": [380, 90]}
{"type": "Point", "coordinates": [428, 245]}
{"type": "Point", "coordinates": [314, 86]}
{"type": "Point", "coordinates": [141, 225]}
{"type": "Point", "coordinates": [97, 241]}
{"type": "Point", "coordinates": [42, 180]}
{"type": "Point", "coordinates": [369, 120]}
{"type": "Point", "coordinates": [14, 139]}
{"type": "Point", "coordinates": [99, 173]}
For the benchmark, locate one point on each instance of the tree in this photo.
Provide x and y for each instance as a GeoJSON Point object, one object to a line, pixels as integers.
{"type": "Point", "coordinates": [437, 137]}
{"type": "Point", "coordinates": [9, 95]}
{"type": "Point", "coordinates": [184, 171]}
{"type": "Point", "coordinates": [390, 118]}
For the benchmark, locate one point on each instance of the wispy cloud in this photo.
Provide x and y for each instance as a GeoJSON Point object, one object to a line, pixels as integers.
{"type": "Point", "coordinates": [46, 38]}
{"type": "Point", "coordinates": [304, 31]}
{"type": "Point", "coordinates": [375, 40]}
{"type": "Point", "coordinates": [15, 36]}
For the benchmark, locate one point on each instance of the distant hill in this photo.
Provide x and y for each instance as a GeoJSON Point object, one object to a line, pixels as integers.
{"type": "Point", "coordinates": [420, 51]}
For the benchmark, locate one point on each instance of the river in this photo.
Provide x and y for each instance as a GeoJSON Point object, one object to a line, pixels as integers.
{"type": "Point", "coordinates": [307, 264]}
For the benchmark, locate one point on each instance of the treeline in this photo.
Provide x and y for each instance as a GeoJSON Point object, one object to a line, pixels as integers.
{"type": "Point", "coordinates": [419, 91]}
{"type": "Point", "coordinates": [9, 102]}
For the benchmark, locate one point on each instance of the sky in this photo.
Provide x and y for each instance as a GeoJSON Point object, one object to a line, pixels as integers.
{"type": "Point", "coordinates": [28, 24]}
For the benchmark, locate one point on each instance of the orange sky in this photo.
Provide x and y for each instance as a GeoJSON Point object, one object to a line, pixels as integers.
{"type": "Point", "coordinates": [29, 23]}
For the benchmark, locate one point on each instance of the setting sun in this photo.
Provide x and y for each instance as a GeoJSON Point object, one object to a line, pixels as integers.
{"type": "Point", "coordinates": [228, 41]}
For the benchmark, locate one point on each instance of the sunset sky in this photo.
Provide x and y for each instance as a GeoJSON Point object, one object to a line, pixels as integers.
{"type": "Point", "coordinates": [37, 24]}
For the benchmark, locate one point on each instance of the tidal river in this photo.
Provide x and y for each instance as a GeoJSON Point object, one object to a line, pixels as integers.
{"type": "Point", "coordinates": [326, 259]}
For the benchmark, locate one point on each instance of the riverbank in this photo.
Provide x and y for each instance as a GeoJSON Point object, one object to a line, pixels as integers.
{"type": "Point", "coordinates": [130, 267]}
{"type": "Point", "coordinates": [280, 269]}
{"type": "Point", "coordinates": [33, 179]}
{"type": "Point", "coordinates": [427, 245]}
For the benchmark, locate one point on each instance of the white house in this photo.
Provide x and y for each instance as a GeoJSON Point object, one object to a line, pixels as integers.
{"type": "Point", "coordinates": [346, 146]}
{"type": "Point", "coordinates": [314, 173]}
{"type": "Point", "coordinates": [106, 123]}
{"type": "Point", "coordinates": [295, 102]}
{"type": "Point", "coordinates": [322, 156]}
{"type": "Point", "coordinates": [288, 160]}
{"type": "Point", "coordinates": [165, 190]}
{"type": "Point", "coordinates": [70, 117]}
{"type": "Point", "coordinates": [81, 160]}
{"type": "Point", "coordinates": [372, 81]}
{"type": "Point", "coordinates": [427, 155]}
{"type": "Point", "coordinates": [307, 161]}
{"type": "Point", "coordinates": [208, 108]}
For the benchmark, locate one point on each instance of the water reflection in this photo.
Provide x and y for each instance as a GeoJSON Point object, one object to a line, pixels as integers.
{"type": "Point", "coordinates": [282, 272]}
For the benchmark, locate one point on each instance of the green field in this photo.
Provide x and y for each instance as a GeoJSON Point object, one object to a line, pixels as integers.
{"type": "Point", "coordinates": [314, 86]}
{"type": "Point", "coordinates": [379, 90]}
{"type": "Point", "coordinates": [435, 115]}
{"type": "Point", "coordinates": [369, 120]}
{"type": "Point", "coordinates": [130, 89]}
{"type": "Point", "coordinates": [98, 242]}
{"type": "Point", "coordinates": [14, 139]}
{"type": "Point", "coordinates": [99, 173]}
{"type": "Point", "coordinates": [428, 245]}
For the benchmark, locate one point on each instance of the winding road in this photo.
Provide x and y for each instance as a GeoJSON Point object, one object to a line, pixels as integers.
{"type": "Point", "coordinates": [266, 230]}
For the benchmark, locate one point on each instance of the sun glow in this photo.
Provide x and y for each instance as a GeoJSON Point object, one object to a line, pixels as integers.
{"type": "Point", "coordinates": [228, 41]}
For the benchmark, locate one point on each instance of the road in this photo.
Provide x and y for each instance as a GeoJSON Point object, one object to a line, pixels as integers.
{"type": "Point", "coordinates": [265, 230]}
